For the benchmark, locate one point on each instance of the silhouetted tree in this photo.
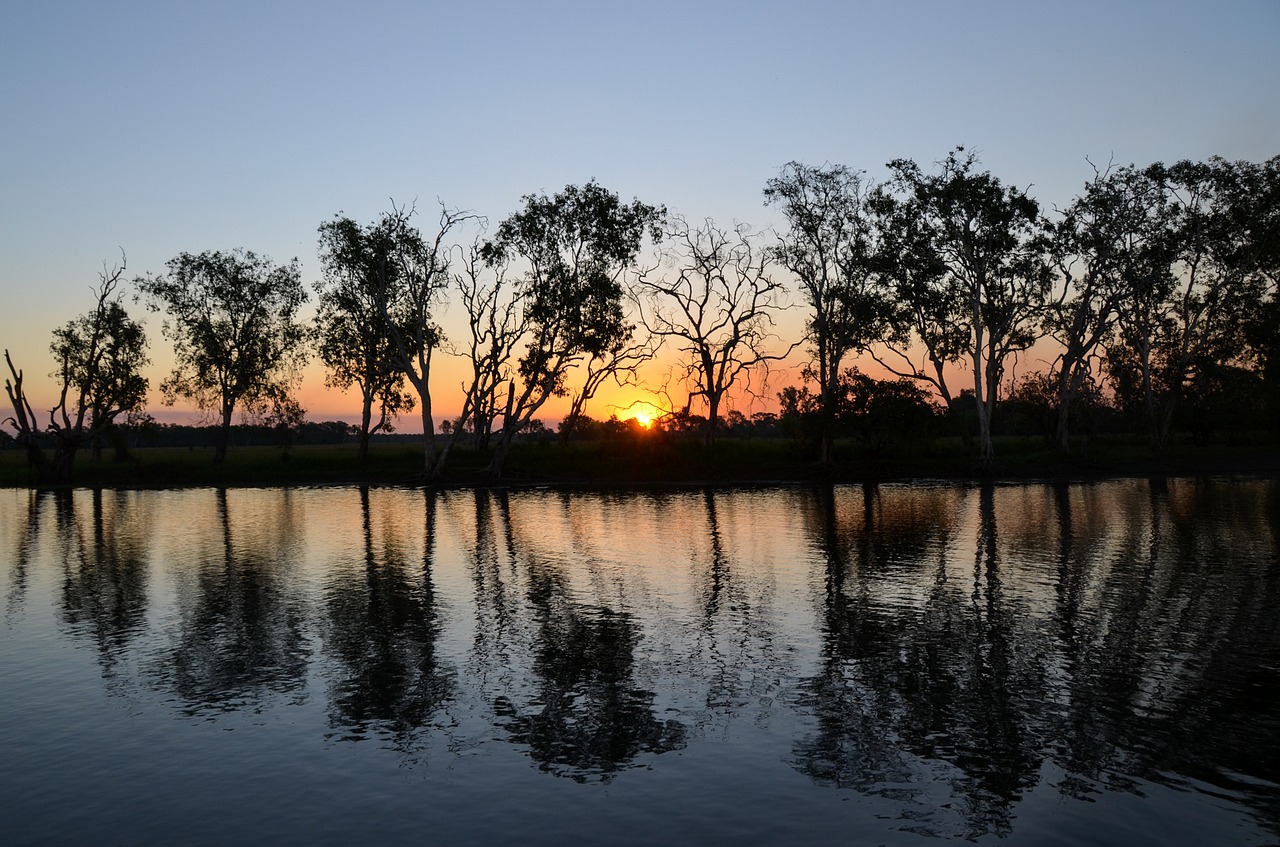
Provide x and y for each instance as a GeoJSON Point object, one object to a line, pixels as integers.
{"type": "Point", "coordinates": [716, 301]}
{"type": "Point", "coordinates": [831, 247]}
{"type": "Point", "coordinates": [970, 274]}
{"type": "Point", "coordinates": [496, 324]}
{"type": "Point", "coordinates": [575, 247]}
{"type": "Point", "coordinates": [100, 356]}
{"type": "Point", "coordinates": [232, 318]}
{"type": "Point", "coordinates": [1190, 311]}
{"type": "Point", "coordinates": [359, 293]}
{"type": "Point", "coordinates": [414, 280]}
{"type": "Point", "coordinates": [1104, 246]}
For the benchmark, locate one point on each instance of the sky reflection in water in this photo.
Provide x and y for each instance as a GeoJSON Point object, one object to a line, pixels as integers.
{"type": "Point", "coordinates": [1047, 664]}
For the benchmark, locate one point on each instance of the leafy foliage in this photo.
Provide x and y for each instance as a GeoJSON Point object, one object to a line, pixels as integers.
{"type": "Point", "coordinates": [970, 271]}
{"type": "Point", "coordinates": [575, 247]}
{"type": "Point", "coordinates": [361, 297]}
{"type": "Point", "coordinates": [832, 247]}
{"type": "Point", "coordinates": [232, 318]}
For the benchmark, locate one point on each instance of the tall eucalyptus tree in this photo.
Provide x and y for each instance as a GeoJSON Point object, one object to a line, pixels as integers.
{"type": "Point", "coordinates": [716, 300]}
{"type": "Point", "coordinates": [831, 248]}
{"type": "Point", "coordinates": [359, 296]}
{"type": "Point", "coordinates": [1107, 248]}
{"type": "Point", "coordinates": [573, 249]}
{"type": "Point", "coordinates": [970, 272]}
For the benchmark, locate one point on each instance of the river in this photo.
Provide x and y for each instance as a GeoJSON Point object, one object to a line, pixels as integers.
{"type": "Point", "coordinates": [897, 664]}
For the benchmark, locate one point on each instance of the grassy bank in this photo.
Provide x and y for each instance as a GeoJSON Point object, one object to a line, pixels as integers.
{"type": "Point", "coordinates": [649, 460]}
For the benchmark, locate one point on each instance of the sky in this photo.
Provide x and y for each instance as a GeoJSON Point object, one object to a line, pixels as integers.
{"type": "Point", "coordinates": [159, 128]}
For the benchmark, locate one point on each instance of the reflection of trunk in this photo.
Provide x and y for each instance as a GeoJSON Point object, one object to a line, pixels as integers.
{"type": "Point", "coordinates": [384, 631]}
{"type": "Point", "coordinates": [241, 638]}
{"type": "Point", "coordinates": [104, 586]}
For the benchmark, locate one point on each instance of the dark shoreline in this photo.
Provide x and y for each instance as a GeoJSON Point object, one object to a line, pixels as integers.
{"type": "Point", "coordinates": [588, 467]}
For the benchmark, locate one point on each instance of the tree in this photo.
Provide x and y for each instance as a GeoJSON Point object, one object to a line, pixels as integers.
{"type": "Point", "coordinates": [496, 324]}
{"type": "Point", "coordinates": [574, 248]}
{"type": "Point", "coordinates": [716, 302]}
{"type": "Point", "coordinates": [100, 357]}
{"type": "Point", "coordinates": [358, 297]}
{"type": "Point", "coordinates": [1262, 332]}
{"type": "Point", "coordinates": [413, 278]}
{"type": "Point", "coordinates": [232, 320]}
{"type": "Point", "coordinates": [1107, 246]}
{"type": "Point", "coordinates": [831, 248]}
{"type": "Point", "coordinates": [970, 274]}
{"type": "Point", "coordinates": [1190, 312]}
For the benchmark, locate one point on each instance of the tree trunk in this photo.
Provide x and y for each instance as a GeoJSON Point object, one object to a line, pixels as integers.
{"type": "Point", "coordinates": [986, 450]}
{"type": "Point", "coordinates": [224, 434]}
{"type": "Point", "coordinates": [1066, 395]}
{"type": "Point", "coordinates": [713, 412]}
{"type": "Point", "coordinates": [983, 408]}
{"type": "Point", "coordinates": [826, 448]}
{"type": "Point", "coordinates": [508, 432]}
{"type": "Point", "coordinates": [366, 416]}
{"type": "Point", "coordinates": [428, 437]}
{"type": "Point", "coordinates": [571, 420]}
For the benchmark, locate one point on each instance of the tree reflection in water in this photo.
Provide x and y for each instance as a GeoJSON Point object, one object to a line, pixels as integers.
{"type": "Point", "coordinates": [383, 627]}
{"type": "Point", "coordinates": [104, 585]}
{"type": "Point", "coordinates": [951, 657]}
{"type": "Point", "coordinates": [971, 691]}
{"type": "Point", "coordinates": [587, 718]}
{"type": "Point", "coordinates": [26, 531]}
{"type": "Point", "coordinates": [241, 637]}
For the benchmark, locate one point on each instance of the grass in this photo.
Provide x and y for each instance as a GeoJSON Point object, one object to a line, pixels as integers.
{"type": "Point", "coordinates": [647, 460]}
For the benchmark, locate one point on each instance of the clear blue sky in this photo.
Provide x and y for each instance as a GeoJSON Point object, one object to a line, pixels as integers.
{"type": "Point", "coordinates": [164, 127]}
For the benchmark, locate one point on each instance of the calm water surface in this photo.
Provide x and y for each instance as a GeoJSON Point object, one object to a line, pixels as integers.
{"type": "Point", "coordinates": [1091, 664]}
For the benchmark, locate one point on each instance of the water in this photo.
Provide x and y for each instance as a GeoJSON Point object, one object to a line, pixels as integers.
{"type": "Point", "coordinates": [1092, 664]}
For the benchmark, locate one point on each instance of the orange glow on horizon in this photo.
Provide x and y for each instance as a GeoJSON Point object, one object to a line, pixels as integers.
{"type": "Point", "coordinates": [641, 411]}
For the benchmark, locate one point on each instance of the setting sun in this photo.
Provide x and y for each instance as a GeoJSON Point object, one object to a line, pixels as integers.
{"type": "Point", "coordinates": [640, 411]}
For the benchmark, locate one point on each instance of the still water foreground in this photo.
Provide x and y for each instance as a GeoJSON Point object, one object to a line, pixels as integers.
{"type": "Point", "coordinates": [1085, 664]}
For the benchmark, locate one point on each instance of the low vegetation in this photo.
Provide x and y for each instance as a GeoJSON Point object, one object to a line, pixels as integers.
{"type": "Point", "coordinates": [634, 456]}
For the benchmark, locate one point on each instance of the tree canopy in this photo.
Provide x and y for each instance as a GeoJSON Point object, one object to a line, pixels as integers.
{"type": "Point", "coordinates": [232, 319]}
{"type": "Point", "coordinates": [574, 247]}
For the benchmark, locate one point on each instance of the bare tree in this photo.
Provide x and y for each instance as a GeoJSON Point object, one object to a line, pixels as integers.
{"type": "Point", "coordinates": [716, 301]}
{"type": "Point", "coordinates": [496, 324]}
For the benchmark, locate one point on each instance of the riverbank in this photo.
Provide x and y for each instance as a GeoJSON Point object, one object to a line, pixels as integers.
{"type": "Point", "coordinates": [651, 461]}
